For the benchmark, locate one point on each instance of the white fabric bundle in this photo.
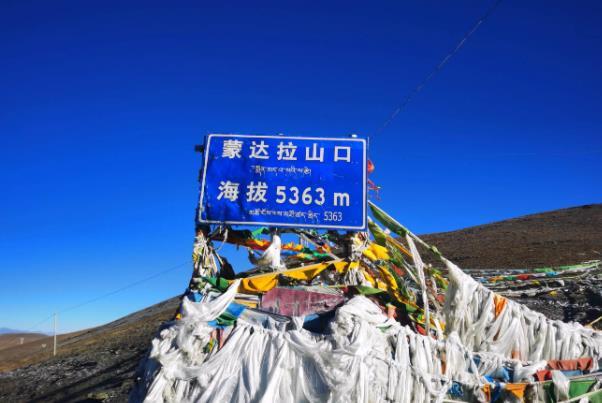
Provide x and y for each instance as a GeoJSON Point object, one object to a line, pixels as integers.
{"type": "Point", "coordinates": [204, 265]}
{"type": "Point", "coordinates": [271, 256]}
{"type": "Point", "coordinates": [367, 357]}
{"type": "Point", "coordinates": [354, 276]}
{"type": "Point", "coordinates": [517, 332]}
{"type": "Point", "coordinates": [420, 271]}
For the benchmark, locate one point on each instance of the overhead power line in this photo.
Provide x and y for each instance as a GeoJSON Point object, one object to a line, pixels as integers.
{"type": "Point", "coordinates": [108, 294]}
{"type": "Point", "coordinates": [125, 287]}
{"type": "Point", "coordinates": [437, 68]}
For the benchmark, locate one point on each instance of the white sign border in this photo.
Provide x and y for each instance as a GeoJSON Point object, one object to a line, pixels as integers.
{"type": "Point", "coordinates": [364, 182]}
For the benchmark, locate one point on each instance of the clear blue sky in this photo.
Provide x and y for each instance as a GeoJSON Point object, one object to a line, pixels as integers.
{"type": "Point", "coordinates": [102, 102]}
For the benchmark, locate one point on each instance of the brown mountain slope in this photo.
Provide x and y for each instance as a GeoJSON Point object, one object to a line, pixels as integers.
{"type": "Point", "coordinates": [15, 339]}
{"type": "Point", "coordinates": [91, 365]}
{"type": "Point", "coordinates": [552, 238]}
{"type": "Point", "coordinates": [99, 364]}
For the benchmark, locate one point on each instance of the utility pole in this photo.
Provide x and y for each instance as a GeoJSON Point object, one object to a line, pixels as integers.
{"type": "Point", "coordinates": [54, 350]}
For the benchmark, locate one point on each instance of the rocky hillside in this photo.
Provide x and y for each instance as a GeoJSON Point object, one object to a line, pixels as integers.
{"type": "Point", "coordinates": [92, 365]}
{"type": "Point", "coordinates": [99, 364]}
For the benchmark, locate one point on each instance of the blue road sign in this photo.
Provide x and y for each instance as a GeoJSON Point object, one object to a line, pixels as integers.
{"type": "Point", "coordinates": [284, 181]}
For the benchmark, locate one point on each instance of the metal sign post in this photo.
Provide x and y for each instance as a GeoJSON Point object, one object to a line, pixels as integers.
{"type": "Point", "coordinates": [284, 181]}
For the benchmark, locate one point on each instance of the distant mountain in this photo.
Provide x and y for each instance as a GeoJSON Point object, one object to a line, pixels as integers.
{"type": "Point", "coordinates": [6, 330]}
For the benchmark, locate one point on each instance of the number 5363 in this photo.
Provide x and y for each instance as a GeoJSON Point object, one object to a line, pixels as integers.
{"type": "Point", "coordinates": [333, 216]}
{"type": "Point", "coordinates": [307, 197]}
